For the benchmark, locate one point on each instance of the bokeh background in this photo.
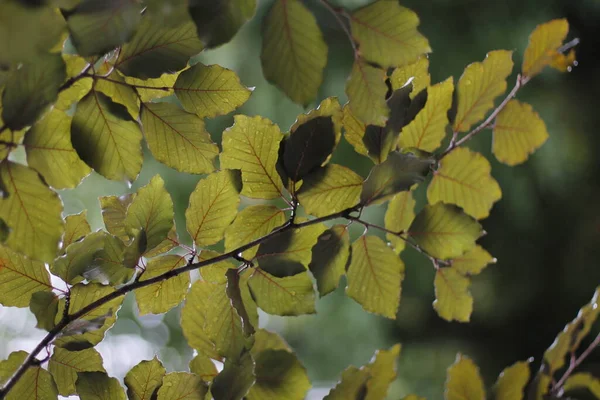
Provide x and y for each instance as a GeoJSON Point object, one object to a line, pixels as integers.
{"type": "Point", "coordinates": [544, 232]}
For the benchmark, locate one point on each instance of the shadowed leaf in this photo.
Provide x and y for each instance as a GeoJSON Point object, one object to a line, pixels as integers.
{"type": "Point", "coordinates": [279, 375]}
{"type": "Point", "coordinates": [44, 305]}
{"type": "Point", "coordinates": [366, 91]}
{"type": "Point", "coordinates": [76, 227]}
{"type": "Point", "coordinates": [308, 146]}
{"type": "Point", "coordinates": [36, 383]}
{"type": "Point", "coordinates": [329, 258]}
{"type": "Point", "coordinates": [98, 386]}
{"type": "Point", "coordinates": [417, 71]}
{"type": "Point", "coordinates": [114, 211]}
{"type": "Point", "coordinates": [236, 378]}
{"type": "Point", "coordinates": [218, 21]}
{"type": "Point", "coordinates": [64, 366]}
{"type": "Point", "coordinates": [144, 379]}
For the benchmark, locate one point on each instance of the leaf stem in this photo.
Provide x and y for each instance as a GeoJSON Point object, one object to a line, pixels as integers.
{"type": "Point", "coordinates": [131, 85]}
{"type": "Point", "coordinates": [575, 362]}
{"type": "Point", "coordinates": [337, 13]}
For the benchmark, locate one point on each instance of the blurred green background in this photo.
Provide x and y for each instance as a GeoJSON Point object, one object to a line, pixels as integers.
{"type": "Point", "coordinates": [544, 232]}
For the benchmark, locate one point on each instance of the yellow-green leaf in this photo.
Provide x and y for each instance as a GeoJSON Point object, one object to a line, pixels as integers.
{"type": "Point", "coordinates": [182, 386]}
{"type": "Point", "coordinates": [444, 231]}
{"type": "Point", "coordinates": [105, 139]}
{"type": "Point", "coordinates": [294, 53]}
{"type": "Point", "coordinates": [209, 91]}
{"type": "Point", "coordinates": [117, 89]}
{"type": "Point", "coordinates": [413, 397]}
{"type": "Point", "coordinates": [73, 94]}
{"type": "Point", "coordinates": [543, 44]}
{"type": "Point", "coordinates": [36, 383]}
{"type": "Point", "coordinates": [354, 130]}
{"type": "Point", "coordinates": [76, 227]}
{"type": "Point", "coordinates": [32, 211]}
{"type": "Point", "coordinates": [366, 90]}
{"type": "Point", "coordinates": [98, 386]}
{"type": "Point", "coordinates": [213, 206]}
{"type": "Point", "coordinates": [478, 87]}
{"type": "Point", "coordinates": [418, 71]}
{"type": "Point", "coordinates": [329, 258]}
{"type": "Point", "coordinates": [162, 296]}
{"type": "Point", "coordinates": [144, 379]}
{"type": "Point", "coordinates": [453, 301]}
{"type": "Point", "coordinates": [352, 385]}
{"type": "Point", "coordinates": [252, 146]}
{"type": "Point", "coordinates": [375, 276]}
{"type": "Point", "coordinates": [400, 213]}
{"type": "Point", "coordinates": [473, 261]}
{"type": "Point", "coordinates": [583, 380]}
{"type": "Point", "coordinates": [44, 305]}
{"type": "Point", "coordinates": [114, 211]}
{"type": "Point", "coordinates": [203, 366]}
{"type": "Point", "coordinates": [64, 366]}
{"type": "Point", "coordinates": [518, 132]}
{"type": "Point", "coordinates": [428, 129]}
{"type": "Point", "coordinates": [279, 375]}
{"type": "Point", "coordinates": [151, 89]}
{"type": "Point", "coordinates": [512, 381]}
{"type": "Point", "coordinates": [267, 340]}
{"type": "Point", "coordinates": [290, 295]}
{"type": "Point", "coordinates": [463, 381]}
{"type": "Point", "coordinates": [383, 372]}
{"type": "Point", "coordinates": [464, 178]}
{"type": "Point", "coordinates": [329, 190]}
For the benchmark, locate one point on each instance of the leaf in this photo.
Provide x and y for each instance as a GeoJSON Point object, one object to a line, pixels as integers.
{"type": "Point", "coordinates": [387, 33]}
{"type": "Point", "coordinates": [49, 151]}
{"type": "Point", "coordinates": [156, 49]}
{"type": "Point", "coordinates": [44, 305]}
{"type": "Point", "coordinates": [152, 212]}
{"type": "Point", "coordinates": [413, 397]}
{"type": "Point", "coordinates": [400, 213]}
{"type": "Point", "coordinates": [396, 174]}
{"type": "Point", "coordinates": [178, 139]}
{"type": "Point", "coordinates": [478, 87]}
{"type": "Point", "coordinates": [518, 132]}
{"type": "Point", "coordinates": [203, 367]}
{"type": "Point", "coordinates": [418, 71]}
{"type": "Point", "coordinates": [279, 375]}
{"type": "Point", "coordinates": [151, 89]}
{"type": "Point", "coordinates": [329, 107]}
{"type": "Point", "coordinates": [144, 379]}
{"type": "Point", "coordinates": [544, 42]}
{"type": "Point", "coordinates": [512, 381]}
{"type": "Point", "coordinates": [209, 91]}
{"type": "Point", "coordinates": [366, 91]}
{"type": "Point", "coordinates": [428, 129]}
{"type": "Point", "coordinates": [354, 130]}
{"type": "Point", "coordinates": [290, 295]}
{"type": "Point", "coordinates": [118, 90]}
{"type": "Point", "coordinates": [329, 258]}
{"type": "Point", "coordinates": [218, 21]}
{"type": "Point", "coordinates": [183, 386]}
{"type": "Point", "coordinates": [463, 381]}
{"type": "Point", "coordinates": [104, 140]}
{"type": "Point", "coordinates": [563, 62]}
{"type": "Point", "coordinates": [294, 53]}
{"type": "Point", "coordinates": [64, 366]}
{"type": "Point", "coordinates": [266, 340]}
{"type": "Point", "coordinates": [464, 178]}
{"type": "Point", "coordinates": [235, 379]}
{"type": "Point", "coordinates": [30, 89]}
{"type": "Point", "coordinates": [444, 231]}
{"type": "Point", "coordinates": [32, 211]}
{"type": "Point", "coordinates": [213, 206]}
{"type": "Point", "coordinates": [36, 383]}
{"type": "Point", "coordinates": [453, 301]}
{"type": "Point", "coordinates": [97, 27]}
{"type": "Point", "coordinates": [252, 146]}
{"type": "Point", "coordinates": [98, 386]}
{"type": "Point", "coordinates": [251, 223]}
{"type": "Point", "coordinates": [76, 228]}
{"type": "Point", "coordinates": [73, 94]}
{"type": "Point", "coordinates": [20, 278]}
{"type": "Point", "coordinates": [583, 380]}
{"type": "Point", "coordinates": [383, 372]}
{"type": "Point", "coordinates": [114, 211]}
{"type": "Point", "coordinates": [162, 296]}
{"type": "Point", "coordinates": [352, 385]}
{"type": "Point", "coordinates": [473, 261]}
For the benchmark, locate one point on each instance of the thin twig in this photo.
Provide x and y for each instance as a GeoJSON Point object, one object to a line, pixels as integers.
{"type": "Point", "coordinates": [575, 363]}
{"type": "Point", "coordinates": [337, 13]}
{"type": "Point", "coordinates": [131, 85]}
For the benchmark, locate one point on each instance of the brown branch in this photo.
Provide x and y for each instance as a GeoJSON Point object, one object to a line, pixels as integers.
{"type": "Point", "coordinates": [575, 362]}
{"type": "Point", "coordinates": [131, 85]}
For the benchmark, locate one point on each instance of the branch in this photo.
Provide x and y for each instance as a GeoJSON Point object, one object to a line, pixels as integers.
{"type": "Point", "coordinates": [337, 13]}
{"type": "Point", "coordinates": [575, 362]}
{"type": "Point", "coordinates": [131, 85]}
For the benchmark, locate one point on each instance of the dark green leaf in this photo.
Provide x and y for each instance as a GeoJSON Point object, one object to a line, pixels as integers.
{"type": "Point", "coordinates": [218, 21]}
{"type": "Point", "coordinates": [98, 386]}
{"type": "Point", "coordinates": [279, 375]}
{"type": "Point", "coordinates": [144, 379]}
{"type": "Point", "coordinates": [64, 366]}
{"type": "Point", "coordinates": [235, 379]}
{"type": "Point", "coordinates": [329, 258]}
{"type": "Point", "coordinates": [352, 386]}
{"type": "Point", "coordinates": [234, 294]}
{"type": "Point", "coordinates": [44, 305]}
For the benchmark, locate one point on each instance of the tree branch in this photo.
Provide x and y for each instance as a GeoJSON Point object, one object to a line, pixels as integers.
{"type": "Point", "coordinates": [575, 362]}
{"type": "Point", "coordinates": [337, 13]}
{"type": "Point", "coordinates": [131, 85]}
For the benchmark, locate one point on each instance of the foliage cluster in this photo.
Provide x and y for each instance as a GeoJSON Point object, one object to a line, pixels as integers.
{"type": "Point", "coordinates": [85, 82]}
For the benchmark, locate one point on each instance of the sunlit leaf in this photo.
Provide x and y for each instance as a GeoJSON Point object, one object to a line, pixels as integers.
{"type": "Point", "coordinates": [291, 295]}
{"type": "Point", "coordinates": [151, 89]}
{"type": "Point", "coordinates": [512, 381]}
{"type": "Point", "coordinates": [478, 87]}
{"type": "Point", "coordinates": [279, 375]}
{"type": "Point", "coordinates": [252, 146]}
{"type": "Point", "coordinates": [203, 366]}
{"type": "Point", "coordinates": [413, 397]}
{"type": "Point", "coordinates": [518, 132]}
{"type": "Point", "coordinates": [563, 62]}
{"type": "Point", "coordinates": [64, 366]}
{"type": "Point", "coordinates": [351, 386]}
{"type": "Point", "coordinates": [266, 340]}
{"type": "Point", "coordinates": [366, 91]}
{"type": "Point", "coordinates": [387, 33]}
{"type": "Point", "coordinates": [354, 130]}
{"type": "Point", "coordinates": [162, 296]}
{"type": "Point", "coordinates": [74, 66]}
{"type": "Point", "coordinates": [114, 211]}
{"type": "Point", "coordinates": [463, 381]}
{"type": "Point", "coordinates": [398, 217]}
{"type": "Point", "coordinates": [464, 178]}
{"type": "Point", "coordinates": [383, 372]}
{"type": "Point", "coordinates": [329, 258]}
{"type": "Point", "coordinates": [583, 380]}
{"type": "Point", "coordinates": [453, 301]}
{"type": "Point", "coordinates": [543, 44]}
{"type": "Point", "coordinates": [118, 91]}
{"type": "Point", "coordinates": [182, 386]}
{"type": "Point", "coordinates": [178, 139]}
{"type": "Point", "coordinates": [218, 21]}
{"type": "Point", "coordinates": [473, 261]}
{"type": "Point", "coordinates": [144, 379]}
{"type": "Point", "coordinates": [236, 378]}
{"type": "Point", "coordinates": [36, 383]}
{"type": "Point", "coordinates": [294, 53]}
{"type": "Point", "coordinates": [213, 206]}
{"type": "Point", "coordinates": [44, 305]}
{"type": "Point", "coordinates": [98, 386]}
{"type": "Point", "coordinates": [417, 71]}
{"type": "Point", "coordinates": [76, 227]}
{"type": "Point", "coordinates": [32, 212]}
{"type": "Point", "coordinates": [208, 91]}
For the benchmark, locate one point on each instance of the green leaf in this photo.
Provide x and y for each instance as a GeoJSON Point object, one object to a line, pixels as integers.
{"type": "Point", "coordinates": [36, 383]}
{"type": "Point", "coordinates": [30, 89]}
{"type": "Point", "coordinates": [118, 90]}
{"type": "Point", "coordinates": [235, 379]}
{"type": "Point", "coordinates": [375, 276]}
{"type": "Point", "coordinates": [167, 13]}
{"type": "Point", "coordinates": [251, 223]}
{"type": "Point", "coordinates": [213, 206]}
{"type": "Point", "coordinates": [67, 97]}
{"type": "Point", "coordinates": [178, 139]}
{"type": "Point", "coordinates": [418, 71]}
{"type": "Point", "coordinates": [544, 42]}
{"type": "Point", "coordinates": [203, 367]}
{"type": "Point", "coordinates": [152, 212]}
{"type": "Point", "coordinates": [44, 305]}
{"type": "Point", "coordinates": [209, 91]}
{"type": "Point", "coordinates": [252, 146]}
{"type": "Point", "coordinates": [329, 258]}
{"type": "Point", "coordinates": [396, 174]}
{"type": "Point", "coordinates": [478, 87]}
{"type": "Point", "coordinates": [366, 90]}
{"type": "Point", "coordinates": [49, 151]}
{"type": "Point", "coordinates": [398, 217]}
{"type": "Point", "coordinates": [105, 139]}
{"type": "Point", "coordinates": [144, 379]}
{"type": "Point", "coordinates": [20, 278]}
{"type": "Point", "coordinates": [98, 386]}
{"type": "Point", "coordinates": [453, 301]}
{"type": "Point", "coordinates": [76, 228]}
{"type": "Point", "coordinates": [428, 129]}
{"type": "Point", "coordinates": [169, 243]}
{"type": "Point", "coordinates": [583, 380]}
{"type": "Point", "coordinates": [279, 375]}
{"type": "Point", "coordinates": [218, 21]}
{"type": "Point", "coordinates": [32, 211]}
{"type": "Point", "coordinates": [266, 340]}
{"type": "Point", "coordinates": [156, 49]}
{"type": "Point", "coordinates": [294, 53]}
{"type": "Point", "coordinates": [352, 385]}
{"type": "Point", "coordinates": [162, 296]}
{"type": "Point", "coordinates": [413, 397]}
{"type": "Point", "coordinates": [354, 130]}
{"type": "Point", "coordinates": [236, 297]}
{"type": "Point", "coordinates": [182, 386]}
{"type": "Point", "coordinates": [383, 372]}
{"type": "Point", "coordinates": [464, 178]}
{"type": "Point", "coordinates": [152, 89]}
{"type": "Point", "coordinates": [463, 381]}
{"type": "Point", "coordinates": [512, 381]}
{"type": "Point", "coordinates": [114, 211]}
{"type": "Point", "coordinates": [444, 231]}
{"type": "Point", "coordinates": [473, 261]}
{"type": "Point", "coordinates": [518, 132]}
{"type": "Point", "coordinates": [64, 366]}
{"type": "Point", "coordinates": [97, 26]}
{"type": "Point", "coordinates": [290, 295]}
